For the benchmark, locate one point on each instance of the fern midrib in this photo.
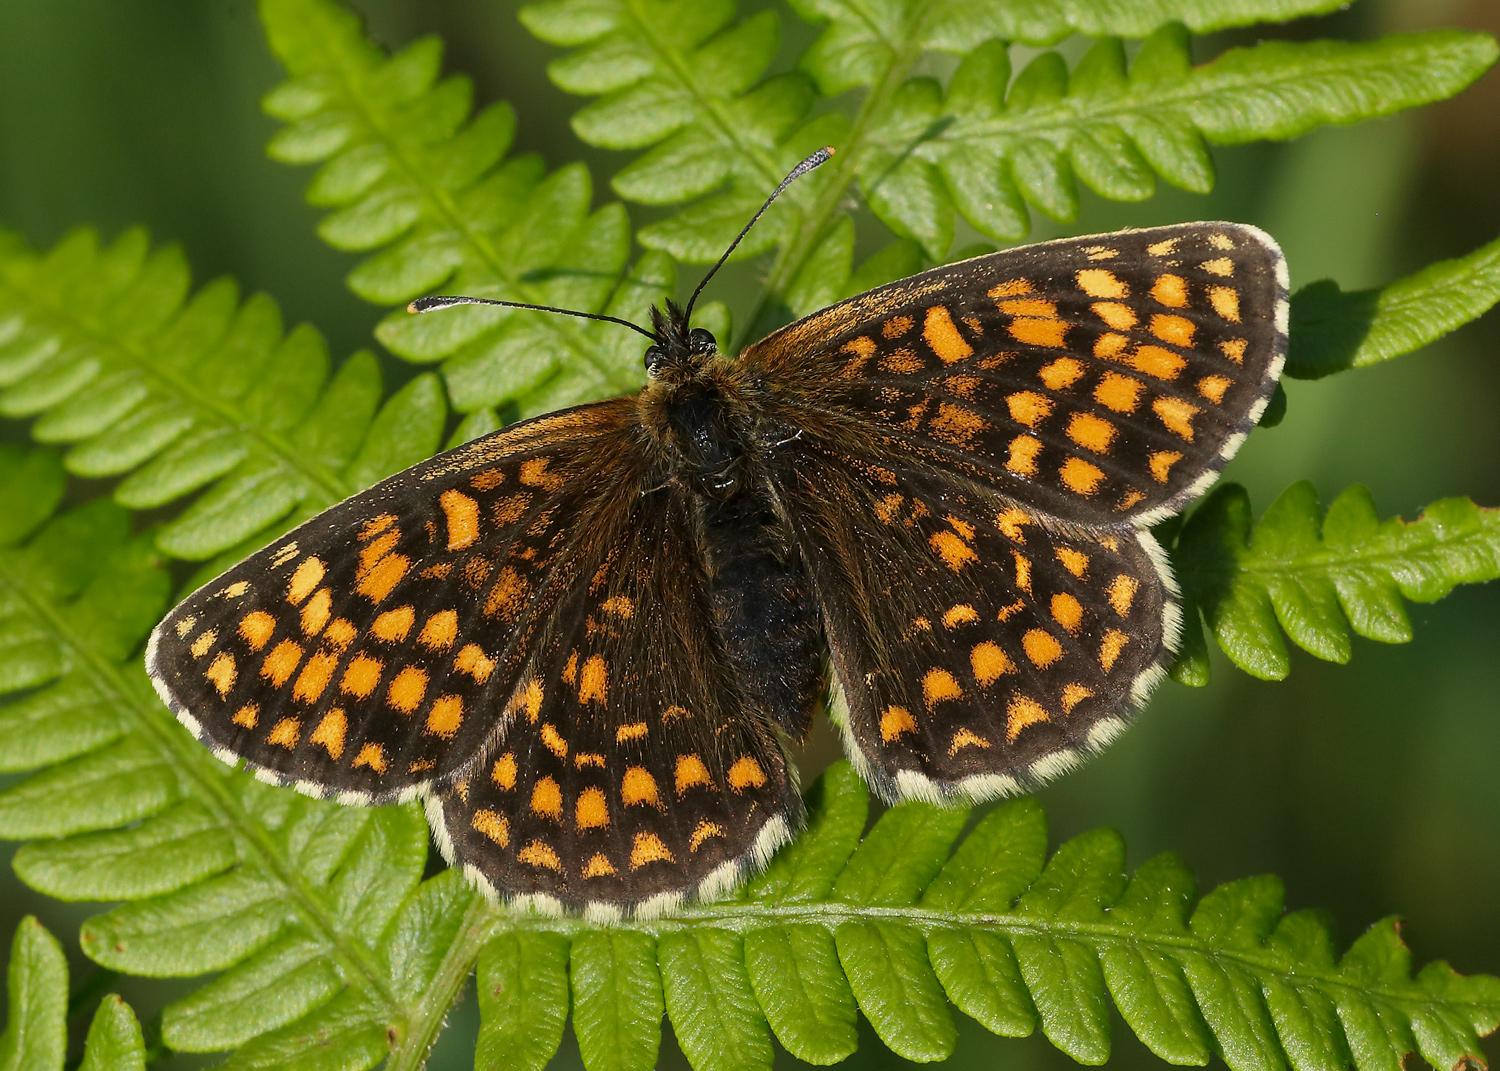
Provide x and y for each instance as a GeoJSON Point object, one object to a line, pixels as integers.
{"type": "Point", "coordinates": [187, 757]}
{"type": "Point", "coordinates": [185, 390]}
{"type": "Point", "coordinates": [457, 222]}
{"type": "Point", "coordinates": [708, 103]}
{"type": "Point", "coordinates": [425, 1020]}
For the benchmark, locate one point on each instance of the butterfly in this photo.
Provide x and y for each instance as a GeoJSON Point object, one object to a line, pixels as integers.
{"type": "Point", "coordinates": [589, 640]}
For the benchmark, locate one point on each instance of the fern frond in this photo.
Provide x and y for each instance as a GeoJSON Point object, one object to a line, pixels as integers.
{"type": "Point", "coordinates": [180, 393]}
{"type": "Point", "coordinates": [316, 904]}
{"type": "Point", "coordinates": [1318, 576]}
{"type": "Point", "coordinates": [429, 193]}
{"type": "Point", "coordinates": [35, 1037]}
{"type": "Point", "coordinates": [918, 918]}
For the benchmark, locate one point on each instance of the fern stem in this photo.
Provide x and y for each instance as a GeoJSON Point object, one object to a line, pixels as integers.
{"type": "Point", "coordinates": [426, 1019]}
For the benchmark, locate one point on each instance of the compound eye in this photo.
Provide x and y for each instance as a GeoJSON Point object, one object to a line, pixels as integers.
{"type": "Point", "coordinates": [702, 341]}
{"type": "Point", "coordinates": [653, 357]}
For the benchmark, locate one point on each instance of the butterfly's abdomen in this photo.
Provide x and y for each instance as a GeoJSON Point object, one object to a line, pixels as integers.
{"type": "Point", "coordinates": [761, 604]}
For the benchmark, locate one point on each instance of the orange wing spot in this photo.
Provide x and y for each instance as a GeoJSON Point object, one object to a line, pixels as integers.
{"type": "Point", "coordinates": [1121, 593]}
{"type": "Point", "coordinates": [1101, 252]}
{"type": "Point", "coordinates": [248, 716]}
{"type": "Point", "coordinates": [1176, 330]}
{"type": "Point", "coordinates": [582, 759]}
{"type": "Point", "coordinates": [702, 831]}
{"type": "Point", "coordinates": [961, 526]}
{"type": "Point", "coordinates": [1029, 332]}
{"type": "Point", "coordinates": [1118, 316]}
{"type": "Point", "coordinates": [1100, 283]}
{"type": "Point", "coordinates": [1221, 241]}
{"type": "Point", "coordinates": [1234, 349]}
{"type": "Point", "coordinates": [553, 740]}
{"type": "Point", "coordinates": [1033, 307]}
{"type": "Point", "coordinates": [1214, 387]}
{"type": "Point", "coordinates": [1010, 288]}
{"type": "Point", "coordinates": [673, 712]}
{"type": "Point", "coordinates": [621, 606]}
{"type": "Point", "coordinates": [638, 786]}
{"type": "Point", "coordinates": [510, 509]}
{"type": "Point", "coordinates": [939, 685]}
{"type": "Point", "coordinates": [204, 643]}
{"type": "Point", "coordinates": [383, 576]}
{"type": "Point", "coordinates": [648, 848]}
{"type": "Point", "coordinates": [1156, 361]}
{"type": "Point", "coordinates": [989, 662]}
{"type": "Point", "coordinates": [961, 614]}
{"type": "Point", "coordinates": [331, 733]}
{"type": "Point", "coordinates": [534, 474]}
{"type": "Point", "coordinates": [860, 351]}
{"type": "Point", "coordinates": [278, 666]}
{"type": "Point", "coordinates": [473, 661]}
{"type": "Point", "coordinates": [462, 516]}
{"type": "Point", "coordinates": [962, 386]}
{"type": "Point", "coordinates": [599, 866]}
{"type": "Point", "coordinates": [1067, 611]}
{"type": "Point", "coordinates": [1061, 373]}
{"type": "Point", "coordinates": [1226, 302]}
{"type": "Point", "coordinates": [315, 612]}
{"type": "Point", "coordinates": [889, 507]}
{"type": "Point", "coordinates": [1011, 521]}
{"type": "Point", "coordinates": [1073, 560]}
{"type": "Point", "coordinates": [493, 825]}
{"type": "Point", "coordinates": [897, 326]}
{"type": "Point", "coordinates": [921, 624]}
{"type": "Point", "coordinates": [1220, 266]}
{"type": "Point", "coordinates": [1160, 463]}
{"type": "Point", "coordinates": [593, 682]}
{"type": "Point", "coordinates": [896, 721]}
{"type": "Point", "coordinates": [314, 678]}
{"type": "Point", "coordinates": [1171, 291]}
{"type": "Point", "coordinates": [305, 578]}
{"type": "Point", "coordinates": [1177, 415]}
{"type": "Point", "coordinates": [1130, 499]}
{"type": "Point", "coordinates": [1041, 647]}
{"type": "Point", "coordinates": [1081, 477]}
{"type": "Point", "coordinates": [591, 811]}
{"type": "Point", "coordinates": [942, 335]}
{"type": "Point", "coordinates": [475, 572]}
{"type": "Point", "coordinates": [445, 716]}
{"type": "Point", "coordinates": [1021, 712]}
{"type": "Point", "coordinates": [570, 669]}
{"type": "Point", "coordinates": [1023, 571]}
{"type": "Point", "coordinates": [361, 676]}
{"type": "Point", "coordinates": [183, 627]}
{"type": "Point", "coordinates": [235, 590]}
{"type": "Point", "coordinates": [746, 773]}
{"type": "Point", "coordinates": [1028, 407]}
{"type": "Point", "coordinates": [691, 773]}
{"type": "Point", "coordinates": [956, 424]}
{"type": "Point", "coordinates": [1110, 647]}
{"type": "Point", "coordinates": [285, 733]}
{"type": "Point", "coordinates": [539, 853]}
{"type": "Point", "coordinates": [487, 480]}
{"type": "Point", "coordinates": [967, 738]}
{"type": "Point", "coordinates": [407, 689]}
{"type": "Point", "coordinates": [1091, 432]}
{"type": "Point", "coordinates": [440, 631]}
{"type": "Point", "coordinates": [256, 628]}
{"type": "Point", "coordinates": [1005, 613]}
{"type": "Point", "coordinates": [394, 624]}
{"type": "Point", "coordinates": [284, 555]}
{"type": "Point", "coordinates": [1072, 695]}
{"type": "Point", "coordinates": [371, 756]}
{"type": "Point", "coordinates": [953, 550]}
{"type": "Point", "coordinates": [1163, 248]}
{"type": "Point", "coordinates": [546, 799]}
{"type": "Point", "coordinates": [508, 597]}
{"type": "Point", "coordinates": [528, 697]}
{"type": "Point", "coordinates": [420, 766]}
{"type": "Point", "coordinates": [1021, 456]}
{"type": "Point", "coordinates": [375, 525]}
{"type": "Point", "coordinates": [503, 772]}
{"type": "Point", "coordinates": [376, 550]}
{"type": "Point", "coordinates": [902, 361]}
{"type": "Point", "coordinates": [1109, 346]}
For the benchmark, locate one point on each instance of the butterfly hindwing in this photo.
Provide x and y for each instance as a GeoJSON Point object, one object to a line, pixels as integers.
{"type": "Point", "coordinates": [364, 653]}
{"type": "Point", "coordinates": [632, 770]}
{"type": "Point", "coordinates": [1102, 380]}
{"type": "Point", "coordinates": [979, 647]}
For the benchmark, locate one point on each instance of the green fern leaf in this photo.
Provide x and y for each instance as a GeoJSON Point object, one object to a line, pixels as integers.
{"type": "Point", "coordinates": [1318, 576]}
{"type": "Point", "coordinates": [35, 1037]}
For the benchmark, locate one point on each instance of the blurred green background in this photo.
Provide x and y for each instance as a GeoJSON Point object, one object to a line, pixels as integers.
{"type": "Point", "coordinates": [1371, 789]}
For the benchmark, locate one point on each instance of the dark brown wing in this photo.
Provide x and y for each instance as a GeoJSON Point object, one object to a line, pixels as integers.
{"type": "Point", "coordinates": [634, 770]}
{"type": "Point", "coordinates": [373, 649]}
{"type": "Point", "coordinates": [1101, 380]}
{"type": "Point", "coordinates": [978, 646]}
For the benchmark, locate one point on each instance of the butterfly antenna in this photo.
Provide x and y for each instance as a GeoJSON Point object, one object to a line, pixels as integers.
{"type": "Point", "coordinates": [443, 301]}
{"type": "Point", "coordinates": [817, 158]}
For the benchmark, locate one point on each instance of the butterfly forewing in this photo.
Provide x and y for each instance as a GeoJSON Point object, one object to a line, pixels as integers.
{"type": "Point", "coordinates": [366, 652]}
{"type": "Point", "coordinates": [1101, 380]}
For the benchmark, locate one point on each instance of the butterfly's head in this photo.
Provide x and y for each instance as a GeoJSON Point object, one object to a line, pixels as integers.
{"type": "Point", "coordinates": [679, 348]}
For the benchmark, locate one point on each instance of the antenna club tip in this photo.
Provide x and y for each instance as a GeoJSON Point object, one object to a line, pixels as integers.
{"type": "Point", "coordinates": [830, 150]}
{"type": "Point", "coordinates": [413, 308]}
